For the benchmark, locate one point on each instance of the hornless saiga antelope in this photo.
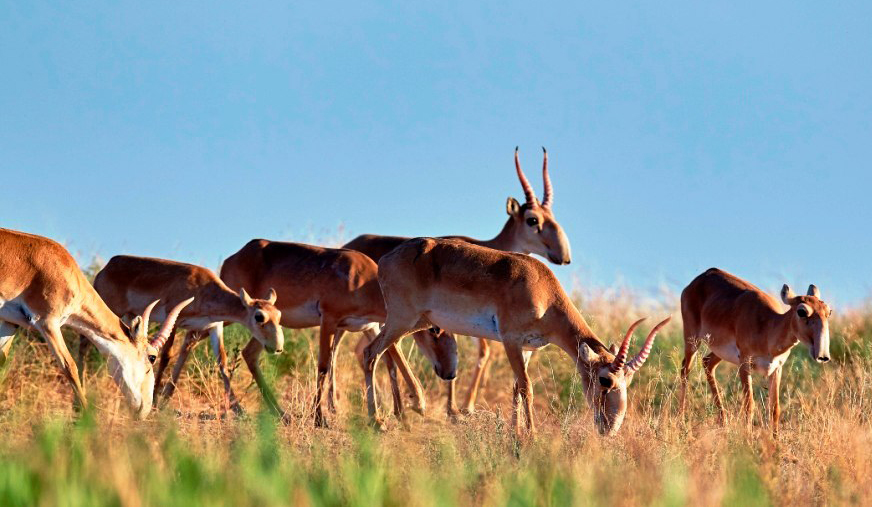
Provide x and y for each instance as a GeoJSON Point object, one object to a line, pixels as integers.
{"type": "Point", "coordinates": [127, 284]}
{"type": "Point", "coordinates": [335, 289]}
{"type": "Point", "coordinates": [747, 327]}
{"type": "Point", "coordinates": [42, 288]}
{"type": "Point", "coordinates": [508, 297]}
{"type": "Point", "coordinates": [531, 228]}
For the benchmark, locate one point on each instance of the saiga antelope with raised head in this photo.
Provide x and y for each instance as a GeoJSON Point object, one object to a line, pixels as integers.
{"type": "Point", "coordinates": [42, 288]}
{"type": "Point", "coordinates": [531, 229]}
{"type": "Point", "coordinates": [127, 284]}
{"type": "Point", "coordinates": [747, 327]}
{"type": "Point", "coordinates": [335, 289]}
{"type": "Point", "coordinates": [506, 297]}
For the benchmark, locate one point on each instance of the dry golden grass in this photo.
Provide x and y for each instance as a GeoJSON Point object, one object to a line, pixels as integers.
{"type": "Point", "coordinates": [190, 453]}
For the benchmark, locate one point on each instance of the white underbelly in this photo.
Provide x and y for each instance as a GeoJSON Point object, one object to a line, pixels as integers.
{"type": "Point", "coordinates": [478, 322]}
{"type": "Point", "coordinates": [726, 351]}
{"type": "Point", "coordinates": [302, 316]}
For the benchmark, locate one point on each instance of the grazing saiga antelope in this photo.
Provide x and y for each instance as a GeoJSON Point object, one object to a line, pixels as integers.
{"type": "Point", "coordinates": [42, 288]}
{"type": "Point", "coordinates": [506, 297]}
{"type": "Point", "coordinates": [747, 327]}
{"type": "Point", "coordinates": [531, 228]}
{"type": "Point", "coordinates": [335, 289]}
{"type": "Point", "coordinates": [127, 284]}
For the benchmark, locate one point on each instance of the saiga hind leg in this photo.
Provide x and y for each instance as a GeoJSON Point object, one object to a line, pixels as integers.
{"type": "Point", "coordinates": [710, 363]}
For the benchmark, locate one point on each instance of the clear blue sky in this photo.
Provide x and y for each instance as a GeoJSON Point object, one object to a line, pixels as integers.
{"type": "Point", "coordinates": [682, 135]}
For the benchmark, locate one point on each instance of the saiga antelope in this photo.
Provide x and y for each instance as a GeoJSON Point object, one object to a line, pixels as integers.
{"type": "Point", "coordinates": [42, 288]}
{"type": "Point", "coordinates": [506, 297]}
{"type": "Point", "coordinates": [747, 327]}
{"type": "Point", "coordinates": [531, 228]}
{"type": "Point", "coordinates": [128, 283]}
{"type": "Point", "coordinates": [335, 289]}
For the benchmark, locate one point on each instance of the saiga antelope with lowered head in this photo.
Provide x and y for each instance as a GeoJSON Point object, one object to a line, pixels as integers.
{"type": "Point", "coordinates": [747, 327]}
{"type": "Point", "coordinates": [335, 289]}
{"type": "Point", "coordinates": [127, 284]}
{"type": "Point", "coordinates": [531, 228]}
{"type": "Point", "coordinates": [506, 297]}
{"type": "Point", "coordinates": [42, 288]}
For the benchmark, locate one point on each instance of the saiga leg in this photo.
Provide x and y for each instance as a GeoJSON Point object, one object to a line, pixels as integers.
{"type": "Point", "coordinates": [484, 355]}
{"type": "Point", "coordinates": [419, 403]}
{"type": "Point", "coordinates": [325, 361]}
{"type": "Point", "coordinates": [396, 391]}
{"type": "Point", "coordinates": [710, 362]}
{"type": "Point", "coordinates": [332, 394]}
{"type": "Point", "coordinates": [55, 340]}
{"type": "Point", "coordinates": [748, 398]}
{"type": "Point", "coordinates": [191, 339]}
{"type": "Point", "coordinates": [251, 354]}
{"type": "Point", "coordinates": [386, 339]}
{"type": "Point", "coordinates": [163, 363]}
{"type": "Point", "coordinates": [691, 345]}
{"type": "Point", "coordinates": [774, 406]}
{"type": "Point", "coordinates": [216, 337]}
{"type": "Point", "coordinates": [518, 359]}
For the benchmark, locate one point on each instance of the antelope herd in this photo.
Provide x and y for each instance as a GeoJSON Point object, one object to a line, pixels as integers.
{"type": "Point", "coordinates": [387, 287]}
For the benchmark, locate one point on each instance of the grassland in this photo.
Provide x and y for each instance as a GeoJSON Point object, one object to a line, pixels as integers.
{"type": "Point", "coordinates": [189, 453]}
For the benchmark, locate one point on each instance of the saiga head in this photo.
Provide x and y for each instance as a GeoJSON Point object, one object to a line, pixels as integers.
{"type": "Point", "coordinates": [263, 320]}
{"type": "Point", "coordinates": [606, 376]}
{"type": "Point", "coordinates": [811, 321]}
{"type": "Point", "coordinates": [536, 229]}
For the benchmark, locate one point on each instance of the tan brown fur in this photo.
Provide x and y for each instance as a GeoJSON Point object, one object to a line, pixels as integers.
{"type": "Point", "coordinates": [545, 237]}
{"type": "Point", "coordinates": [455, 285]}
{"type": "Point", "coordinates": [128, 283]}
{"type": "Point", "coordinates": [745, 326]}
{"type": "Point", "coordinates": [335, 289]}
{"type": "Point", "coordinates": [42, 288]}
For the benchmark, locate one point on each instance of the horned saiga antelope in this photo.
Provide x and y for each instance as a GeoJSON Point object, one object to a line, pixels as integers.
{"type": "Point", "coordinates": [531, 228]}
{"type": "Point", "coordinates": [506, 297]}
{"type": "Point", "coordinates": [747, 327]}
{"type": "Point", "coordinates": [127, 284]}
{"type": "Point", "coordinates": [42, 288]}
{"type": "Point", "coordinates": [335, 289]}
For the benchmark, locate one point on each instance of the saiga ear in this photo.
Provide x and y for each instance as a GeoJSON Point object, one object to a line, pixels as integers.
{"type": "Point", "coordinates": [246, 299]}
{"type": "Point", "coordinates": [814, 291]}
{"type": "Point", "coordinates": [586, 354]}
{"type": "Point", "coordinates": [512, 207]}
{"type": "Point", "coordinates": [272, 297]}
{"type": "Point", "coordinates": [787, 295]}
{"type": "Point", "coordinates": [614, 348]}
{"type": "Point", "coordinates": [136, 330]}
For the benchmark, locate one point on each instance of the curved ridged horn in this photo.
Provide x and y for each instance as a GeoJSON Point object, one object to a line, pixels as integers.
{"type": "Point", "coordinates": [147, 314]}
{"type": "Point", "coordinates": [621, 356]}
{"type": "Point", "coordinates": [529, 194]}
{"type": "Point", "coordinates": [637, 362]}
{"type": "Point", "coordinates": [161, 337]}
{"type": "Point", "coordinates": [548, 196]}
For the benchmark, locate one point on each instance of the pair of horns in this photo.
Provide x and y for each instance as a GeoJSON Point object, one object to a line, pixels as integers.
{"type": "Point", "coordinates": [529, 193]}
{"type": "Point", "coordinates": [164, 333]}
{"type": "Point", "coordinates": [637, 362]}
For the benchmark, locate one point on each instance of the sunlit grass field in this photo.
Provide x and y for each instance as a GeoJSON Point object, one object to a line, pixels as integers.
{"type": "Point", "coordinates": [191, 453]}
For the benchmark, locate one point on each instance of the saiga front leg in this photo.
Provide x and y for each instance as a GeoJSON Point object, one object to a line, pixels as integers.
{"type": "Point", "coordinates": [748, 396]}
{"type": "Point", "coordinates": [250, 354]}
{"type": "Point", "coordinates": [775, 408]}
{"type": "Point", "coordinates": [518, 359]}
{"type": "Point", "coordinates": [325, 361]}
